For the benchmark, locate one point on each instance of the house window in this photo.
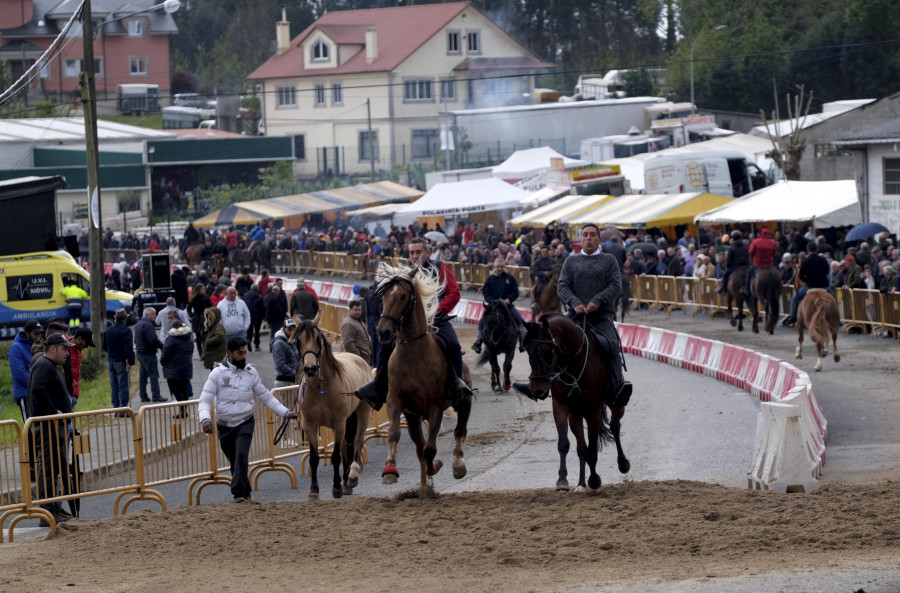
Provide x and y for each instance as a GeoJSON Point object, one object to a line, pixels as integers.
{"type": "Point", "coordinates": [320, 51]}
{"type": "Point", "coordinates": [473, 42]}
{"type": "Point", "coordinates": [138, 66]}
{"type": "Point", "coordinates": [417, 90]}
{"type": "Point", "coordinates": [830, 150]}
{"type": "Point", "coordinates": [425, 143]}
{"type": "Point", "coordinates": [98, 66]}
{"type": "Point", "coordinates": [300, 147]}
{"type": "Point", "coordinates": [891, 176]}
{"type": "Point", "coordinates": [448, 90]}
{"type": "Point", "coordinates": [136, 28]}
{"type": "Point", "coordinates": [337, 94]}
{"type": "Point", "coordinates": [45, 70]}
{"type": "Point", "coordinates": [285, 96]}
{"type": "Point", "coordinates": [453, 42]}
{"type": "Point", "coordinates": [71, 67]}
{"type": "Point", "coordinates": [319, 95]}
{"type": "Point", "coordinates": [364, 149]}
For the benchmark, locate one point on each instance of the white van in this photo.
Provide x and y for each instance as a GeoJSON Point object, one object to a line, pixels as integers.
{"type": "Point", "coordinates": [723, 173]}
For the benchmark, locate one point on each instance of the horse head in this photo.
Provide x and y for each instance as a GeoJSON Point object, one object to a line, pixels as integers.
{"type": "Point", "coordinates": [311, 345]}
{"type": "Point", "coordinates": [398, 299]}
{"type": "Point", "coordinates": [542, 356]}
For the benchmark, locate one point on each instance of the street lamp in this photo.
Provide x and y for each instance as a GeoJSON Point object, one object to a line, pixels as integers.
{"type": "Point", "coordinates": [693, 45]}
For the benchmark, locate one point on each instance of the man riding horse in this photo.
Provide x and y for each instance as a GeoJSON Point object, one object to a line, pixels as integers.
{"type": "Point", "coordinates": [501, 286]}
{"type": "Point", "coordinates": [737, 257]}
{"type": "Point", "coordinates": [814, 273]}
{"type": "Point", "coordinates": [191, 237]}
{"type": "Point", "coordinates": [541, 270]}
{"type": "Point", "coordinates": [375, 391]}
{"type": "Point", "coordinates": [593, 277]}
{"type": "Point", "coordinates": [762, 253]}
{"type": "Point", "coordinates": [257, 235]}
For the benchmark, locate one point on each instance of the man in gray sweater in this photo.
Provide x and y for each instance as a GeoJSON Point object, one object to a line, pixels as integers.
{"type": "Point", "coordinates": [589, 285]}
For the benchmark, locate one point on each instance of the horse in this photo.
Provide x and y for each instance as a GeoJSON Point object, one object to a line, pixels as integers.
{"type": "Point", "coordinates": [765, 288]}
{"type": "Point", "coordinates": [194, 254]}
{"type": "Point", "coordinates": [566, 363]}
{"type": "Point", "coordinates": [819, 312]}
{"type": "Point", "coordinates": [418, 372]}
{"type": "Point", "coordinates": [733, 293]}
{"type": "Point", "coordinates": [500, 337]}
{"type": "Point", "coordinates": [260, 254]}
{"type": "Point", "coordinates": [327, 379]}
{"type": "Point", "coordinates": [546, 299]}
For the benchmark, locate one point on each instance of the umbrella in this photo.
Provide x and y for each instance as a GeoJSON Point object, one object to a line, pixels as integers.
{"type": "Point", "coordinates": [437, 237]}
{"type": "Point", "coordinates": [864, 231]}
{"type": "Point", "coordinates": [608, 232]}
{"type": "Point", "coordinates": [646, 248]}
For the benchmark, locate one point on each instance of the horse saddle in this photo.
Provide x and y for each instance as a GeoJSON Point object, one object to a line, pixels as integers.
{"type": "Point", "coordinates": [601, 341]}
{"type": "Point", "coordinates": [444, 344]}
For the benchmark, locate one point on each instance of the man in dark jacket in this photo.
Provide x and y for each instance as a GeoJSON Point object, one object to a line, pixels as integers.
{"type": "Point", "coordinates": [120, 347]}
{"type": "Point", "coordinates": [285, 355]}
{"type": "Point", "coordinates": [501, 286]}
{"type": "Point", "coordinates": [48, 396]}
{"type": "Point", "coordinates": [180, 286]}
{"type": "Point", "coordinates": [814, 273]}
{"type": "Point", "coordinates": [274, 310]}
{"type": "Point", "coordinates": [737, 257]}
{"type": "Point", "coordinates": [255, 303]}
{"type": "Point", "coordinates": [146, 344]}
{"type": "Point", "coordinates": [304, 303]}
{"type": "Point", "coordinates": [243, 284]}
{"type": "Point", "coordinates": [178, 368]}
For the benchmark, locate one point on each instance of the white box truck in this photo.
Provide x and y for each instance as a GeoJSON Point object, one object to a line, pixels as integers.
{"type": "Point", "coordinates": [723, 173]}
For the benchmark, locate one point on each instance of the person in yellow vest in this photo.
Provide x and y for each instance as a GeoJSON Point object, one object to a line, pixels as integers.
{"type": "Point", "coordinates": [75, 296]}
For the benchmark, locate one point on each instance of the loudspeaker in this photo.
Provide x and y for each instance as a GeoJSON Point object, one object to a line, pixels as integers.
{"type": "Point", "coordinates": [157, 271]}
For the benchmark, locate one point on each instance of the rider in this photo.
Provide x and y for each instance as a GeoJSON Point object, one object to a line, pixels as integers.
{"type": "Point", "coordinates": [191, 236]}
{"type": "Point", "coordinates": [257, 235]}
{"type": "Point", "coordinates": [501, 286]}
{"type": "Point", "coordinates": [541, 270]}
{"type": "Point", "coordinates": [593, 277]}
{"type": "Point", "coordinates": [814, 272]}
{"type": "Point", "coordinates": [762, 251]}
{"type": "Point", "coordinates": [737, 257]}
{"type": "Point", "coordinates": [375, 391]}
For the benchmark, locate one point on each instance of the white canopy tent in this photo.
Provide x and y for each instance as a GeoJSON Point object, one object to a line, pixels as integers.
{"type": "Point", "coordinates": [466, 197]}
{"type": "Point", "coordinates": [825, 203]}
{"type": "Point", "coordinates": [531, 161]}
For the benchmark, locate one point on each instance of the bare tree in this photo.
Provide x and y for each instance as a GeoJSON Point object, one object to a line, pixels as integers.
{"type": "Point", "coordinates": [787, 149]}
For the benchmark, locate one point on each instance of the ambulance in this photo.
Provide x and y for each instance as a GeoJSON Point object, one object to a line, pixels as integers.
{"type": "Point", "coordinates": [31, 288]}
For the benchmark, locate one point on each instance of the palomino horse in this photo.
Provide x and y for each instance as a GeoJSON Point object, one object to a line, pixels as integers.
{"type": "Point", "coordinates": [500, 335]}
{"type": "Point", "coordinates": [733, 293]}
{"type": "Point", "coordinates": [819, 312]}
{"type": "Point", "coordinates": [565, 362]}
{"type": "Point", "coordinates": [546, 299]}
{"type": "Point", "coordinates": [418, 372]}
{"type": "Point", "coordinates": [766, 289]}
{"type": "Point", "coordinates": [327, 379]}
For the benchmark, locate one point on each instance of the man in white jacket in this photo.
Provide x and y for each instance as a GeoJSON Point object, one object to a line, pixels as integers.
{"type": "Point", "coordinates": [233, 386]}
{"type": "Point", "coordinates": [235, 314]}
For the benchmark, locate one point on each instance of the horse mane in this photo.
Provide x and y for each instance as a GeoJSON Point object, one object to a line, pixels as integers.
{"type": "Point", "coordinates": [327, 353]}
{"type": "Point", "coordinates": [427, 284]}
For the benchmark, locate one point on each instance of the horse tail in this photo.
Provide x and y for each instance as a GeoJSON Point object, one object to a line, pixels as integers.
{"type": "Point", "coordinates": [773, 296]}
{"type": "Point", "coordinates": [818, 324]}
{"type": "Point", "coordinates": [484, 357]}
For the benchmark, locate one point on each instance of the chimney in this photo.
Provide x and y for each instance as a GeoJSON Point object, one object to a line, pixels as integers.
{"type": "Point", "coordinates": [371, 45]}
{"type": "Point", "coordinates": [283, 33]}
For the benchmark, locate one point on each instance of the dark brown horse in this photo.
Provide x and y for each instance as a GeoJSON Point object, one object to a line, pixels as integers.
{"type": "Point", "coordinates": [194, 254]}
{"type": "Point", "coordinates": [545, 298]}
{"type": "Point", "coordinates": [733, 293]}
{"type": "Point", "coordinates": [500, 337]}
{"type": "Point", "coordinates": [418, 373]}
{"type": "Point", "coordinates": [765, 289]}
{"type": "Point", "coordinates": [575, 372]}
{"type": "Point", "coordinates": [819, 312]}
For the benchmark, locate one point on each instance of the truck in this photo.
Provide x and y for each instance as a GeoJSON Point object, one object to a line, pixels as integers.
{"type": "Point", "coordinates": [726, 173]}
{"type": "Point", "coordinates": [137, 99]}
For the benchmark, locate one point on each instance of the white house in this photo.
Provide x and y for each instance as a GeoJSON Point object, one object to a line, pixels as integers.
{"type": "Point", "coordinates": [877, 164]}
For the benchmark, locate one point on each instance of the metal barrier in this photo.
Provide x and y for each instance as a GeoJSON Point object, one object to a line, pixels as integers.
{"type": "Point", "coordinates": [114, 256]}
{"type": "Point", "coordinates": [11, 502]}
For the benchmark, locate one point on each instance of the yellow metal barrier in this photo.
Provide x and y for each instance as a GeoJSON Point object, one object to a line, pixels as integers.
{"type": "Point", "coordinates": [11, 502]}
{"type": "Point", "coordinates": [667, 294]}
{"type": "Point", "coordinates": [890, 320]}
{"type": "Point", "coordinates": [862, 308]}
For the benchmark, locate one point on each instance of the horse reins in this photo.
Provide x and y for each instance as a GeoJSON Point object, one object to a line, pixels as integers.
{"type": "Point", "coordinates": [285, 422]}
{"type": "Point", "coordinates": [398, 321]}
{"type": "Point", "coordinates": [550, 376]}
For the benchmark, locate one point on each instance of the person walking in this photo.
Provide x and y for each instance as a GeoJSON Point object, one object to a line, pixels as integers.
{"type": "Point", "coordinates": [285, 355]}
{"type": "Point", "coordinates": [120, 348]}
{"type": "Point", "coordinates": [146, 344]}
{"type": "Point", "coordinates": [256, 307]}
{"type": "Point", "coordinates": [196, 307]}
{"type": "Point", "coordinates": [20, 362]}
{"type": "Point", "coordinates": [235, 315]}
{"type": "Point", "coordinates": [275, 311]}
{"type": "Point", "coordinates": [232, 388]}
{"type": "Point", "coordinates": [178, 368]}
{"type": "Point", "coordinates": [354, 335]}
{"type": "Point", "coordinates": [214, 346]}
{"type": "Point", "coordinates": [303, 302]}
{"type": "Point", "coordinates": [75, 297]}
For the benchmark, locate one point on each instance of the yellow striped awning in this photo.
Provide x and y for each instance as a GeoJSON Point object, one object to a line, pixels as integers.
{"type": "Point", "coordinates": [650, 210]}
{"type": "Point", "coordinates": [559, 211]}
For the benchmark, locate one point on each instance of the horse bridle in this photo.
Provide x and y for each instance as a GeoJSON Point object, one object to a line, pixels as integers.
{"type": "Point", "coordinates": [555, 372]}
{"type": "Point", "coordinates": [398, 321]}
{"type": "Point", "coordinates": [318, 355]}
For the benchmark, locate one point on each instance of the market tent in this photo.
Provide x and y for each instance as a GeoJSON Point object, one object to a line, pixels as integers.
{"type": "Point", "coordinates": [650, 210]}
{"type": "Point", "coordinates": [825, 203]}
{"type": "Point", "coordinates": [559, 211]}
{"type": "Point", "coordinates": [545, 195]}
{"type": "Point", "coordinates": [525, 163]}
{"type": "Point", "coordinates": [382, 211]}
{"type": "Point", "coordinates": [466, 197]}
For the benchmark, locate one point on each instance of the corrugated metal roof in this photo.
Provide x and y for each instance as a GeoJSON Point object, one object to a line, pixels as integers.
{"type": "Point", "coordinates": [71, 129]}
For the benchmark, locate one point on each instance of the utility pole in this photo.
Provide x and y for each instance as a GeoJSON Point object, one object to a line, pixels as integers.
{"type": "Point", "coordinates": [371, 139]}
{"type": "Point", "coordinates": [95, 230]}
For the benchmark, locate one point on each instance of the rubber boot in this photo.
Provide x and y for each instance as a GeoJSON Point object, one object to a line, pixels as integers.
{"type": "Point", "coordinates": [623, 394]}
{"type": "Point", "coordinates": [369, 394]}
{"type": "Point", "coordinates": [477, 346]}
{"type": "Point", "coordinates": [522, 387]}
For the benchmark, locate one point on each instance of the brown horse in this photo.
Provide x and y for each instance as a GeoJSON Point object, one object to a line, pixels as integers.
{"type": "Point", "coordinates": [417, 373]}
{"type": "Point", "coordinates": [819, 312]}
{"type": "Point", "coordinates": [566, 363]}
{"type": "Point", "coordinates": [766, 289]}
{"type": "Point", "coordinates": [733, 294]}
{"type": "Point", "coordinates": [194, 254]}
{"type": "Point", "coordinates": [546, 300]}
{"type": "Point", "coordinates": [327, 379]}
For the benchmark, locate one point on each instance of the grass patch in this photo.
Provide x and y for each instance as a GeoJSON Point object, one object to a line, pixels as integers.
{"type": "Point", "coordinates": [151, 120]}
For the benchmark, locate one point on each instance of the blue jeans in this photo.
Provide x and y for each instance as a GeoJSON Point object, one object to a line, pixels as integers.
{"type": "Point", "coordinates": [149, 370]}
{"type": "Point", "coordinates": [118, 383]}
{"type": "Point", "coordinates": [795, 301]}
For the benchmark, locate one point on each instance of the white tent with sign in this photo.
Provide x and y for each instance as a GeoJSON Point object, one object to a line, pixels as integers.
{"type": "Point", "coordinates": [825, 203]}
{"type": "Point", "coordinates": [462, 199]}
{"type": "Point", "coordinates": [525, 163]}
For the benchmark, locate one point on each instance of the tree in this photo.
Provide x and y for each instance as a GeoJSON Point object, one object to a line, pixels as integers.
{"type": "Point", "coordinates": [787, 149]}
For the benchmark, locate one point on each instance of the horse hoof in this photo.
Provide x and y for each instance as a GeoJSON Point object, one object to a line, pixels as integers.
{"type": "Point", "coordinates": [459, 469]}
{"type": "Point", "coordinates": [593, 491]}
{"type": "Point", "coordinates": [837, 358]}
{"type": "Point", "coordinates": [733, 323]}
{"type": "Point", "coordinates": [389, 479]}
{"type": "Point", "coordinates": [352, 483]}
{"type": "Point", "coordinates": [756, 330]}
{"type": "Point", "coordinates": [312, 496]}
{"type": "Point", "coordinates": [579, 489]}
{"type": "Point", "coordinates": [348, 490]}
{"type": "Point", "coordinates": [497, 389]}
{"type": "Point", "coordinates": [438, 464]}
{"type": "Point", "coordinates": [624, 466]}
{"type": "Point", "coordinates": [337, 492]}
{"type": "Point", "coordinates": [562, 485]}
